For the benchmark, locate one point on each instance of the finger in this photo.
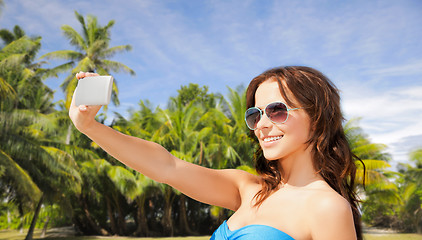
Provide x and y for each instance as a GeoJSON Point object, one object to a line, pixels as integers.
{"type": "Point", "coordinates": [90, 74]}
{"type": "Point", "coordinates": [83, 108]}
{"type": "Point", "coordinates": [80, 75]}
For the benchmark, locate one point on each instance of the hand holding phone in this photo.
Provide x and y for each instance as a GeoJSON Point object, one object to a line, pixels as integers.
{"type": "Point", "coordinates": [95, 90]}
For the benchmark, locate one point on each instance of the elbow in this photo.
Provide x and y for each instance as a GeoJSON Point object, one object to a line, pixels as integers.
{"type": "Point", "coordinates": [166, 171]}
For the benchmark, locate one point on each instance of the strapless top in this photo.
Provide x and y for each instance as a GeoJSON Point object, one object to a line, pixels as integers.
{"type": "Point", "coordinates": [249, 232]}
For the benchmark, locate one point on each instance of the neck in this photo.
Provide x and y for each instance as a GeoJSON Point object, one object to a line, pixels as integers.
{"type": "Point", "coordinates": [298, 169]}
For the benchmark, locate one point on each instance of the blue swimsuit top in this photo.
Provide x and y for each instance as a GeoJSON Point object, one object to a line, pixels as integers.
{"type": "Point", "coordinates": [249, 232]}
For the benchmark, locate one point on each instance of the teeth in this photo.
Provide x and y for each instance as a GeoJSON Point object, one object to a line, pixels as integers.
{"type": "Point", "coordinates": [269, 139]}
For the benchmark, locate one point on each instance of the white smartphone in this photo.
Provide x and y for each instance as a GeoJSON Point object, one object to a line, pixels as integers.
{"type": "Point", "coordinates": [93, 90]}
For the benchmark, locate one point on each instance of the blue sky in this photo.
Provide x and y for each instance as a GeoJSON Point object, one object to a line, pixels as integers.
{"type": "Point", "coordinates": [372, 50]}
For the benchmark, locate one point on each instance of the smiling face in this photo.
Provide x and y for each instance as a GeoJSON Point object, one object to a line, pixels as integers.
{"type": "Point", "coordinates": [280, 141]}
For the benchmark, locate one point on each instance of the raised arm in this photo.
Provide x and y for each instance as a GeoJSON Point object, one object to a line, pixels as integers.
{"type": "Point", "coordinates": [216, 187]}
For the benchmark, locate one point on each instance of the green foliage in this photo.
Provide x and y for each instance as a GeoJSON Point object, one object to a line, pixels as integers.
{"type": "Point", "coordinates": [398, 205]}
{"type": "Point", "coordinates": [416, 157]}
{"type": "Point", "coordinates": [41, 154]}
{"type": "Point", "coordinates": [34, 167]}
{"type": "Point", "coordinates": [192, 93]}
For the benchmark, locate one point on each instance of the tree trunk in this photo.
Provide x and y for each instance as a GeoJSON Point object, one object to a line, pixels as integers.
{"type": "Point", "coordinates": [167, 220]}
{"type": "Point", "coordinates": [113, 224]}
{"type": "Point", "coordinates": [21, 214]}
{"type": "Point", "coordinates": [142, 230]}
{"type": "Point", "coordinates": [69, 134]}
{"type": "Point", "coordinates": [30, 233]}
{"type": "Point", "coordinates": [418, 221]}
{"type": "Point", "coordinates": [183, 218]}
{"type": "Point", "coordinates": [121, 221]}
{"type": "Point", "coordinates": [21, 226]}
{"type": "Point", "coordinates": [91, 222]}
{"type": "Point", "coordinates": [44, 229]}
{"type": "Point", "coordinates": [9, 220]}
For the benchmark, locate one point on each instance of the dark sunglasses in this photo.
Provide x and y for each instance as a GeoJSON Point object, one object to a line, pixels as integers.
{"type": "Point", "coordinates": [277, 112]}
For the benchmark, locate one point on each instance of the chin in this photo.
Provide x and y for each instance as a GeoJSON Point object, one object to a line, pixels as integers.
{"type": "Point", "coordinates": [272, 156]}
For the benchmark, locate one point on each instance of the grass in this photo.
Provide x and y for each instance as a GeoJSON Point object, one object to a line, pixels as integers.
{"type": "Point", "coordinates": [16, 235]}
{"type": "Point", "coordinates": [394, 236]}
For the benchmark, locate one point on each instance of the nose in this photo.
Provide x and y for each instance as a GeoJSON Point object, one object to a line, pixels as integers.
{"type": "Point", "coordinates": [264, 122]}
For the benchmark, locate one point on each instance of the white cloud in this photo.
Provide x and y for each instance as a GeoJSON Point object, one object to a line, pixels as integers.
{"type": "Point", "coordinates": [388, 117]}
{"type": "Point", "coordinates": [38, 17]}
{"type": "Point", "coordinates": [412, 68]}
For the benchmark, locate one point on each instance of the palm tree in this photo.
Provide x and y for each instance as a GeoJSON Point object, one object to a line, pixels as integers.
{"type": "Point", "coordinates": [399, 207]}
{"type": "Point", "coordinates": [231, 144]}
{"type": "Point", "coordinates": [111, 182]}
{"type": "Point", "coordinates": [92, 54]}
{"type": "Point", "coordinates": [375, 183]}
{"type": "Point", "coordinates": [196, 130]}
{"type": "Point", "coordinates": [411, 210]}
{"type": "Point", "coordinates": [145, 188]}
{"type": "Point", "coordinates": [373, 156]}
{"type": "Point", "coordinates": [38, 171]}
{"type": "Point", "coordinates": [244, 144]}
{"type": "Point", "coordinates": [143, 123]}
{"type": "Point", "coordinates": [18, 71]}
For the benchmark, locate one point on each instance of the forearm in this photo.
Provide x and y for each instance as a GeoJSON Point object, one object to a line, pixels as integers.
{"type": "Point", "coordinates": [146, 157]}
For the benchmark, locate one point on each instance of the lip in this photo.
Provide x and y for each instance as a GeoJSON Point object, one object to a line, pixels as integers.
{"type": "Point", "coordinates": [270, 140]}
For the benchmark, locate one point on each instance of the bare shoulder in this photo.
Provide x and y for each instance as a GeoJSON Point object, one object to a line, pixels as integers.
{"type": "Point", "coordinates": [329, 202]}
{"type": "Point", "coordinates": [330, 216]}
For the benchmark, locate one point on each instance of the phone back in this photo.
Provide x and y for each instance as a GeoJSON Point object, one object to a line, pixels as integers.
{"type": "Point", "coordinates": [94, 90]}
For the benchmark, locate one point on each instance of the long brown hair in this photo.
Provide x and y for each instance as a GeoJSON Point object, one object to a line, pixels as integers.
{"type": "Point", "coordinates": [331, 154]}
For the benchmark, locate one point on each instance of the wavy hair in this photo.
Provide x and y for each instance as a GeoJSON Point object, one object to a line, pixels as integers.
{"type": "Point", "coordinates": [331, 155]}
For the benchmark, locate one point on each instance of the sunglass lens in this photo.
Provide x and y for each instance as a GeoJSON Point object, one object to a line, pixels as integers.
{"type": "Point", "coordinates": [252, 117]}
{"type": "Point", "coordinates": [277, 112]}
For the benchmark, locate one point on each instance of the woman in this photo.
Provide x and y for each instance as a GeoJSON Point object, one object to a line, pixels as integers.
{"type": "Point", "coordinates": [304, 189]}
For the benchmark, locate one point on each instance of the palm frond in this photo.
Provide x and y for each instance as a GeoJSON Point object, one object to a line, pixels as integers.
{"type": "Point", "coordinates": [22, 45]}
{"type": "Point", "coordinates": [64, 54]}
{"type": "Point", "coordinates": [7, 36]}
{"type": "Point", "coordinates": [117, 67]}
{"type": "Point", "coordinates": [74, 37]}
{"type": "Point", "coordinates": [80, 18]}
{"type": "Point", "coordinates": [96, 47]}
{"type": "Point", "coordinates": [68, 167]}
{"type": "Point", "coordinates": [18, 32]}
{"type": "Point", "coordinates": [13, 61]}
{"type": "Point", "coordinates": [368, 149]}
{"type": "Point", "coordinates": [6, 91]}
{"type": "Point", "coordinates": [53, 72]}
{"type": "Point", "coordinates": [416, 156]}
{"type": "Point", "coordinates": [21, 180]}
{"type": "Point", "coordinates": [110, 52]}
{"type": "Point", "coordinates": [373, 164]}
{"type": "Point", "coordinates": [237, 105]}
{"type": "Point", "coordinates": [124, 181]}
